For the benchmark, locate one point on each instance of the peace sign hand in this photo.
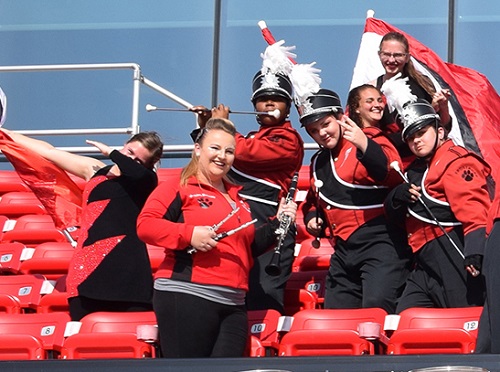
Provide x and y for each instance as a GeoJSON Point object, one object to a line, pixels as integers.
{"type": "Point", "coordinates": [353, 133]}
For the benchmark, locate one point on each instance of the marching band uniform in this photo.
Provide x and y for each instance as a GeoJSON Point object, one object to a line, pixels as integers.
{"type": "Point", "coordinates": [453, 187]}
{"type": "Point", "coordinates": [371, 258]}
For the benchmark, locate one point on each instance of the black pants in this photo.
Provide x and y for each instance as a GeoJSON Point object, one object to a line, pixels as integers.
{"type": "Point", "coordinates": [440, 279]}
{"type": "Point", "coordinates": [488, 338]}
{"type": "Point", "coordinates": [267, 291]}
{"type": "Point", "coordinates": [192, 327]}
{"type": "Point", "coordinates": [369, 269]}
{"type": "Point", "coordinates": [80, 306]}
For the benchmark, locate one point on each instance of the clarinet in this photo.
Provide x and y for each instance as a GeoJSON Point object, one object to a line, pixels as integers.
{"type": "Point", "coordinates": [274, 268]}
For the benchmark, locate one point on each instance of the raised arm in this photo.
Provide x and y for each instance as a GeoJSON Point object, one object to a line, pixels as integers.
{"type": "Point", "coordinates": [78, 165]}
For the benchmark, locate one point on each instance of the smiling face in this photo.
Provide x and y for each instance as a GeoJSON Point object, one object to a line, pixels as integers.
{"type": "Point", "coordinates": [370, 107]}
{"type": "Point", "coordinates": [325, 131]}
{"type": "Point", "coordinates": [271, 103]}
{"type": "Point", "coordinates": [393, 56]}
{"type": "Point", "coordinates": [216, 155]}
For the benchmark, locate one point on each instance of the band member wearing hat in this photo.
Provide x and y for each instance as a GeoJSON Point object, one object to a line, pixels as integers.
{"type": "Point", "coordinates": [265, 162]}
{"type": "Point", "coordinates": [446, 192]}
{"type": "Point", "coordinates": [371, 259]}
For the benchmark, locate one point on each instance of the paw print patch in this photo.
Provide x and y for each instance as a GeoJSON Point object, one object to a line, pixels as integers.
{"type": "Point", "coordinates": [467, 175]}
{"type": "Point", "coordinates": [204, 202]}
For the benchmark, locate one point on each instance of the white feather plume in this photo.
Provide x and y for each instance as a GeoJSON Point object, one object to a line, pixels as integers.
{"type": "Point", "coordinates": [397, 92]}
{"type": "Point", "coordinates": [276, 58]}
{"type": "Point", "coordinates": [305, 80]}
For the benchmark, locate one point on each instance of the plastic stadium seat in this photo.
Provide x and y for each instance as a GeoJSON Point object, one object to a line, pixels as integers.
{"type": "Point", "coordinates": [310, 258]}
{"type": "Point", "coordinates": [312, 281]}
{"type": "Point", "coordinates": [108, 335]}
{"type": "Point", "coordinates": [53, 302]}
{"type": "Point", "coordinates": [28, 289]}
{"type": "Point", "coordinates": [299, 299]}
{"type": "Point", "coordinates": [32, 229]}
{"type": "Point", "coordinates": [435, 331]}
{"type": "Point", "coordinates": [11, 255]}
{"type": "Point", "coordinates": [263, 324]}
{"type": "Point", "coordinates": [324, 332]}
{"type": "Point", "coordinates": [31, 336]}
{"type": "Point", "coordinates": [18, 203]}
{"type": "Point", "coordinates": [10, 181]}
{"type": "Point", "coordinates": [9, 304]}
{"type": "Point", "coordinates": [51, 259]}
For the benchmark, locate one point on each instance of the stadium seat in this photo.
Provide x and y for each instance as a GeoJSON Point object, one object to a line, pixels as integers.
{"type": "Point", "coordinates": [9, 304]}
{"type": "Point", "coordinates": [32, 336]}
{"type": "Point", "coordinates": [18, 203]}
{"type": "Point", "coordinates": [322, 332]}
{"type": "Point", "coordinates": [33, 229]}
{"type": "Point", "coordinates": [10, 181]}
{"type": "Point", "coordinates": [311, 258]}
{"type": "Point", "coordinates": [435, 331]}
{"type": "Point", "coordinates": [28, 289]}
{"type": "Point", "coordinates": [53, 302]}
{"type": "Point", "coordinates": [109, 335]}
{"type": "Point", "coordinates": [51, 259]}
{"type": "Point", "coordinates": [263, 324]}
{"type": "Point", "coordinates": [299, 299]}
{"type": "Point", "coordinates": [312, 281]}
{"type": "Point", "coordinates": [11, 255]}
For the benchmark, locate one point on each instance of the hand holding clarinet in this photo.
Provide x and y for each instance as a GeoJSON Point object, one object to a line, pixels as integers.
{"type": "Point", "coordinates": [287, 212]}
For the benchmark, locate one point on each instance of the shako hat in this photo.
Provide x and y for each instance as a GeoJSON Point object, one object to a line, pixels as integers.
{"type": "Point", "coordinates": [271, 84]}
{"type": "Point", "coordinates": [417, 115]}
{"type": "Point", "coordinates": [317, 105]}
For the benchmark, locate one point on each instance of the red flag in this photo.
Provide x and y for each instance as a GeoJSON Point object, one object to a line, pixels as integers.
{"type": "Point", "coordinates": [474, 104]}
{"type": "Point", "coordinates": [60, 195]}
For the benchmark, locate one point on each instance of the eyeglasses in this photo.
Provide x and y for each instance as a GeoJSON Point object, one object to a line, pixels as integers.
{"type": "Point", "coordinates": [387, 55]}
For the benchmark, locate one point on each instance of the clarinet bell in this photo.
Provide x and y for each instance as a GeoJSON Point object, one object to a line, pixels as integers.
{"type": "Point", "coordinates": [274, 269]}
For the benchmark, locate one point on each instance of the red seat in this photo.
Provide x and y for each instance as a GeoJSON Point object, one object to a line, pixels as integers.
{"type": "Point", "coordinates": [312, 281]}
{"type": "Point", "coordinates": [11, 255]}
{"type": "Point", "coordinates": [108, 335]}
{"type": "Point", "coordinates": [32, 229]}
{"type": "Point", "coordinates": [9, 304]}
{"type": "Point", "coordinates": [18, 203]}
{"type": "Point", "coordinates": [323, 332]}
{"type": "Point", "coordinates": [10, 181]}
{"type": "Point", "coordinates": [51, 259]}
{"type": "Point", "coordinates": [435, 331]}
{"type": "Point", "coordinates": [299, 299]}
{"type": "Point", "coordinates": [311, 258]}
{"type": "Point", "coordinates": [263, 324]}
{"type": "Point", "coordinates": [22, 335]}
{"type": "Point", "coordinates": [28, 289]}
{"type": "Point", "coordinates": [53, 302]}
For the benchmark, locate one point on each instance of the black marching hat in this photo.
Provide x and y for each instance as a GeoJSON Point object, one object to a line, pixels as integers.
{"type": "Point", "coordinates": [319, 104]}
{"type": "Point", "coordinates": [270, 84]}
{"type": "Point", "coordinates": [417, 115]}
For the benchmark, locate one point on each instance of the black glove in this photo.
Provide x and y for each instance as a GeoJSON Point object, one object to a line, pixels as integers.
{"type": "Point", "coordinates": [401, 195]}
{"type": "Point", "coordinates": [475, 260]}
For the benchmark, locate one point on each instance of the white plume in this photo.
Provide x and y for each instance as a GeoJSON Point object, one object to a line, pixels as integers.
{"type": "Point", "coordinates": [306, 81]}
{"type": "Point", "coordinates": [397, 92]}
{"type": "Point", "coordinates": [276, 58]}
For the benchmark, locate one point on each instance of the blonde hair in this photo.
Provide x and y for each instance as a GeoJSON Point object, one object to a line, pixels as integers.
{"type": "Point", "coordinates": [191, 169]}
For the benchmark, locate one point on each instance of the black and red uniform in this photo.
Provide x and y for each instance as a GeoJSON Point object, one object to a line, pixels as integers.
{"type": "Point", "coordinates": [110, 269]}
{"type": "Point", "coordinates": [371, 259]}
{"type": "Point", "coordinates": [454, 188]}
{"type": "Point", "coordinates": [488, 338]}
{"type": "Point", "coordinates": [265, 161]}
{"type": "Point", "coordinates": [194, 316]}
